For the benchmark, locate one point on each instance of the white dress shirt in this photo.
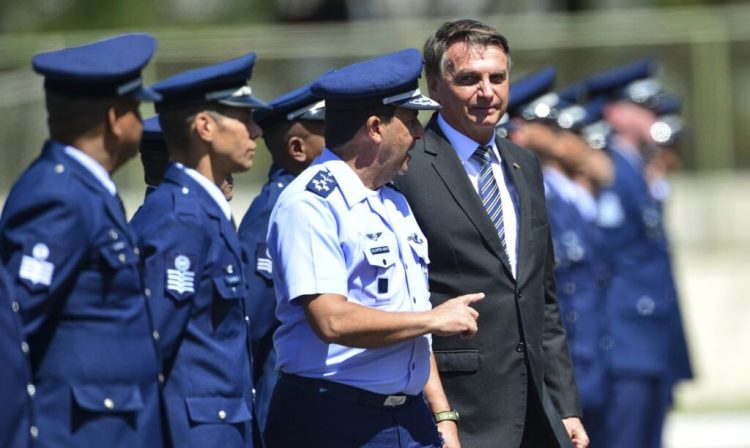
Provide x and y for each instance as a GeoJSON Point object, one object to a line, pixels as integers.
{"type": "Point", "coordinates": [465, 148]}
{"type": "Point", "coordinates": [94, 167]}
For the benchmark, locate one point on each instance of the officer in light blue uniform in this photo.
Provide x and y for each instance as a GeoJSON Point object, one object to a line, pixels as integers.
{"type": "Point", "coordinates": [350, 271]}
{"type": "Point", "coordinates": [578, 274]}
{"type": "Point", "coordinates": [72, 256]}
{"type": "Point", "coordinates": [293, 131]}
{"type": "Point", "coordinates": [193, 258]}
{"type": "Point", "coordinates": [649, 352]}
{"type": "Point", "coordinates": [154, 154]}
{"type": "Point", "coordinates": [15, 375]}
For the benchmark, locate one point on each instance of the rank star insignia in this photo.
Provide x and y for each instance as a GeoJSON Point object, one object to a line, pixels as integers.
{"type": "Point", "coordinates": [322, 184]}
{"type": "Point", "coordinates": [415, 238]}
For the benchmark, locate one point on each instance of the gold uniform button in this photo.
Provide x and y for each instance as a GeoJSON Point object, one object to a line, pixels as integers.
{"type": "Point", "coordinates": [222, 415]}
{"type": "Point", "coordinates": [108, 403]}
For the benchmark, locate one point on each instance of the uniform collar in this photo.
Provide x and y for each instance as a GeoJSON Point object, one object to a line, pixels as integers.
{"type": "Point", "coordinates": [277, 173]}
{"type": "Point", "coordinates": [213, 191]}
{"type": "Point", "coordinates": [464, 146]}
{"type": "Point", "coordinates": [350, 185]}
{"type": "Point", "coordinates": [92, 166]}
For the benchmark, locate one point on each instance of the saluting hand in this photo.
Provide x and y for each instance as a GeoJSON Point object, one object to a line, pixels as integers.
{"type": "Point", "coordinates": [456, 316]}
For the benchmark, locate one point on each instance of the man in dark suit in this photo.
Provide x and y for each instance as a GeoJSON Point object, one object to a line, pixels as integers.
{"type": "Point", "coordinates": [480, 200]}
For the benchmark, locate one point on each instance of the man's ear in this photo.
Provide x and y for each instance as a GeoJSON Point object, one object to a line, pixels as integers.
{"type": "Point", "coordinates": [374, 129]}
{"type": "Point", "coordinates": [296, 149]}
{"type": "Point", "coordinates": [204, 126]}
{"type": "Point", "coordinates": [115, 113]}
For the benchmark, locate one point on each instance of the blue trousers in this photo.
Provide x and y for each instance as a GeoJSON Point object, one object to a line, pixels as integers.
{"type": "Point", "coordinates": [637, 411]}
{"type": "Point", "coordinates": [319, 413]}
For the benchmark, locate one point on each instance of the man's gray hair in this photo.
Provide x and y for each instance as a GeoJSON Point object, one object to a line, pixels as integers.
{"type": "Point", "coordinates": [471, 32]}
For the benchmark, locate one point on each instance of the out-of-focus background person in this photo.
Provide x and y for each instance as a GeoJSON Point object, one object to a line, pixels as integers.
{"type": "Point", "coordinates": [703, 51]}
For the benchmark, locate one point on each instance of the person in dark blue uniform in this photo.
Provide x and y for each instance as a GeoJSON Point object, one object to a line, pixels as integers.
{"type": "Point", "coordinates": [293, 131]}
{"type": "Point", "coordinates": [154, 154]}
{"type": "Point", "coordinates": [16, 388]}
{"type": "Point", "coordinates": [649, 352]}
{"type": "Point", "coordinates": [72, 256]}
{"type": "Point", "coordinates": [350, 268]}
{"type": "Point", "coordinates": [193, 258]}
{"type": "Point", "coordinates": [543, 122]}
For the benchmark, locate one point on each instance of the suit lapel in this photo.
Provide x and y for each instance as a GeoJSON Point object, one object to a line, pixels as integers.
{"type": "Point", "coordinates": [451, 172]}
{"type": "Point", "coordinates": [523, 210]}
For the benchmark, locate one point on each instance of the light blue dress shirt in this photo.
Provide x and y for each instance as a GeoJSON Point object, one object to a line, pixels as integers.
{"type": "Point", "coordinates": [343, 238]}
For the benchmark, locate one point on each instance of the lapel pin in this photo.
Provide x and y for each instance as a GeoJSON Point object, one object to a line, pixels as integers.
{"type": "Point", "coordinates": [516, 166]}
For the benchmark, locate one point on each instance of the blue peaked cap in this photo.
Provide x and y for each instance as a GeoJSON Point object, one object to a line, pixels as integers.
{"type": "Point", "coordinates": [108, 68]}
{"type": "Point", "coordinates": [530, 97]}
{"type": "Point", "coordinates": [299, 104]}
{"type": "Point", "coordinates": [635, 82]}
{"type": "Point", "coordinates": [225, 83]}
{"type": "Point", "coordinates": [391, 79]}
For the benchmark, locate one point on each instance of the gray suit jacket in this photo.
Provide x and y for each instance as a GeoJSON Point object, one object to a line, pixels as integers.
{"type": "Point", "coordinates": [521, 340]}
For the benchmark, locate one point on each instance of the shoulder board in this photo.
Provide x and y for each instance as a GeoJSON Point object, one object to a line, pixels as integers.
{"type": "Point", "coordinates": [185, 204]}
{"type": "Point", "coordinates": [322, 184]}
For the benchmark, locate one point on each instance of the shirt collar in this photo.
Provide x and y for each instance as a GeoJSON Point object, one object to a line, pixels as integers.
{"type": "Point", "coordinates": [211, 189]}
{"type": "Point", "coordinates": [92, 166]}
{"type": "Point", "coordinates": [463, 145]}
{"type": "Point", "coordinates": [562, 184]}
{"type": "Point", "coordinates": [351, 186]}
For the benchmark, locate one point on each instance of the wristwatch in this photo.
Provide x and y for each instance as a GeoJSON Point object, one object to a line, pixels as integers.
{"type": "Point", "coordinates": [447, 415]}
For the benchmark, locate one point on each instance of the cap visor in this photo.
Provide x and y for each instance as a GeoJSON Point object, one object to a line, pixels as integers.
{"type": "Point", "coordinates": [420, 102]}
{"type": "Point", "coordinates": [244, 101]}
{"type": "Point", "coordinates": [146, 94]}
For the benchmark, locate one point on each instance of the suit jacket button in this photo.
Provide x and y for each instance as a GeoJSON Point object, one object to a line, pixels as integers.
{"type": "Point", "coordinates": [520, 347]}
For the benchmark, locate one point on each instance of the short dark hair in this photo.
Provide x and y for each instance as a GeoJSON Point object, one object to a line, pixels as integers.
{"type": "Point", "coordinates": [175, 123]}
{"type": "Point", "coordinates": [342, 125]}
{"type": "Point", "coordinates": [471, 32]}
{"type": "Point", "coordinates": [70, 117]}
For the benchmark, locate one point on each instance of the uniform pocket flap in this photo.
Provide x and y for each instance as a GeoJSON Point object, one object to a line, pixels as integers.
{"type": "Point", "coordinates": [457, 360]}
{"type": "Point", "coordinates": [217, 409]}
{"type": "Point", "coordinates": [108, 397]}
{"type": "Point", "coordinates": [229, 287]}
{"type": "Point", "coordinates": [119, 254]}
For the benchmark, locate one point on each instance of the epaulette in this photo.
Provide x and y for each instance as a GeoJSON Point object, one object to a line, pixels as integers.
{"type": "Point", "coordinates": [322, 184]}
{"type": "Point", "coordinates": [185, 204]}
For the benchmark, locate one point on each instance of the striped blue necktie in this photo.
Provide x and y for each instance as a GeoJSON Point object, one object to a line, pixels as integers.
{"type": "Point", "coordinates": [489, 192]}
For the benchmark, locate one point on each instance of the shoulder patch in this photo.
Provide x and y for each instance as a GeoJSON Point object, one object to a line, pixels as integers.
{"type": "Point", "coordinates": [322, 184]}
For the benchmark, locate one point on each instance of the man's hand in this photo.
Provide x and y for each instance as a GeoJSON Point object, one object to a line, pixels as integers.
{"type": "Point", "coordinates": [449, 430]}
{"type": "Point", "coordinates": [456, 316]}
{"type": "Point", "coordinates": [576, 432]}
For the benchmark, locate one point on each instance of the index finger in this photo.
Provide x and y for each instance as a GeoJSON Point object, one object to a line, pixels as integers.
{"type": "Point", "coordinates": [468, 299]}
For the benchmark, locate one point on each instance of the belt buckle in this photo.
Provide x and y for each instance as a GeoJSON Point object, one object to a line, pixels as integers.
{"type": "Point", "coordinates": [393, 401]}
